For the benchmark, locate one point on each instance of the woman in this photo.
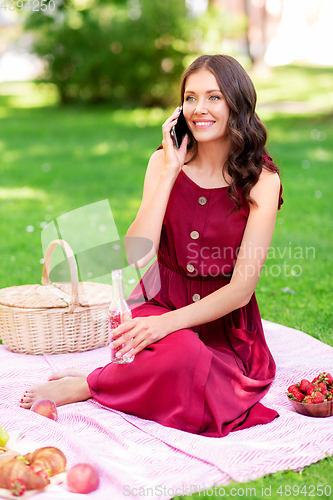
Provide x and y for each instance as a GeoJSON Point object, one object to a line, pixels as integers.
{"type": "Point", "coordinates": [202, 363]}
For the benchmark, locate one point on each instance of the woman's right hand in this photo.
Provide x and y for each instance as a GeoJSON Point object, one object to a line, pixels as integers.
{"type": "Point", "coordinates": [174, 158]}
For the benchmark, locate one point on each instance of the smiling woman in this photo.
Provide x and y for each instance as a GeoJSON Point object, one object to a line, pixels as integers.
{"type": "Point", "coordinates": [205, 109]}
{"type": "Point", "coordinates": [201, 359]}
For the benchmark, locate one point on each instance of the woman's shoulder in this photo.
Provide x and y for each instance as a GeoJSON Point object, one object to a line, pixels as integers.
{"type": "Point", "coordinates": [158, 154]}
{"type": "Point", "coordinates": [269, 177]}
{"type": "Point", "coordinates": [154, 170]}
{"type": "Point", "coordinates": [268, 187]}
{"type": "Point", "coordinates": [156, 160]}
{"type": "Point", "coordinates": [269, 180]}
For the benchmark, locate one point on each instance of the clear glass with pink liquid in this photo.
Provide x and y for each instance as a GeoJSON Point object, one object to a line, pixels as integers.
{"type": "Point", "coordinates": [118, 313]}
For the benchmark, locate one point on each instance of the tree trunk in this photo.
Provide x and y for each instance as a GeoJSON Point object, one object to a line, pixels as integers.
{"type": "Point", "coordinates": [246, 10]}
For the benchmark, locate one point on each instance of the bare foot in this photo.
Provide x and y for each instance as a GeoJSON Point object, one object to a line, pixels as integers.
{"type": "Point", "coordinates": [69, 372]}
{"type": "Point", "coordinates": [63, 391]}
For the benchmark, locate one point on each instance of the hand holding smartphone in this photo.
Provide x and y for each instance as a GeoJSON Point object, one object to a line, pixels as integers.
{"type": "Point", "coordinates": [179, 130]}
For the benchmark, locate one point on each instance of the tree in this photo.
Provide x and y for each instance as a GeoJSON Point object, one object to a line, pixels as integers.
{"type": "Point", "coordinates": [113, 50]}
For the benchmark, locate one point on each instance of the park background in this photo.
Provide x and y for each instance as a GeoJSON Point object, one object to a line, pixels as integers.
{"type": "Point", "coordinates": [84, 89]}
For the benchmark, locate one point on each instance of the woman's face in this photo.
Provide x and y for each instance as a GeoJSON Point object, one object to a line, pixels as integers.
{"type": "Point", "coordinates": [205, 108]}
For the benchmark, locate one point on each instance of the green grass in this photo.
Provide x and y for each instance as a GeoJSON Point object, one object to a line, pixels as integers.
{"type": "Point", "coordinates": [303, 234]}
{"type": "Point", "coordinates": [54, 160]}
{"type": "Point", "coordinates": [309, 482]}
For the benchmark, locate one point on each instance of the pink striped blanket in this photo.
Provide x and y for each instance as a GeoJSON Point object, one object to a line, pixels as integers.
{"type": "Point", "coordinates": [135, 457]}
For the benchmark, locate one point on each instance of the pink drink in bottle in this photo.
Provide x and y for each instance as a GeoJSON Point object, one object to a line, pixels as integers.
{"type": "Point", "coordinates": [118, 313]}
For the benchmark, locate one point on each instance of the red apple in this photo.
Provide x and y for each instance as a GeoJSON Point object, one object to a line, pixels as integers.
{"type": "Point", "coordinates": [82, 478]}
{"type": "Point", "coordinates": [45, 407]}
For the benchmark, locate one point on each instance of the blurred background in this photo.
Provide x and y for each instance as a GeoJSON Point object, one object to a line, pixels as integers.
{"type": "Point", "coordinates": [85, 86]}
{"type": "Point", "coordinates": [136, 50]}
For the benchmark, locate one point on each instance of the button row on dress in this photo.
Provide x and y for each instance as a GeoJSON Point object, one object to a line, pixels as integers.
{"type": "Point", "coordinates": [196, 297]}
{"type": "Point", "coordinates": [194, 235]}
{"type": "Point", "coordinates": [202, 200]}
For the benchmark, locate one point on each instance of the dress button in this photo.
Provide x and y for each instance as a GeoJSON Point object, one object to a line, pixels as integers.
{"type": "Point", "coordinates": [194, 235]}
{"type": "Point", "coordinates": [190, 268]}
{"type": "Point", "coordinates": [196, 297]}
{"type": "Point", "coordinates": [202, 200]}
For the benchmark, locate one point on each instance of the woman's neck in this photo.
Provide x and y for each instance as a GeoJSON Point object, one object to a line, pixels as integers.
{"type": "Point", "coordinates": [209, 161]}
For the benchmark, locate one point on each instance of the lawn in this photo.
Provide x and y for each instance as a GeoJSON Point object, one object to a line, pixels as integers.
{"type": "Point", "coordinates": [54, 160]}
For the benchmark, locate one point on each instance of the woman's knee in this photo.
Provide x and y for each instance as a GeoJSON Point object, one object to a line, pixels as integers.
{"type": "Point", "coordinates": [182, 347]}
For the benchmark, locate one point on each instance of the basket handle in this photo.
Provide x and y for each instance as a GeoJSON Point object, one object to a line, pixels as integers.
{"type": "Point", "coordinates": [72, 267]}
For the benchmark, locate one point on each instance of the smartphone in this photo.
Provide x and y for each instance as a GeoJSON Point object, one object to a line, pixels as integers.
{"type": "Point", "coordinates": [179, 130]}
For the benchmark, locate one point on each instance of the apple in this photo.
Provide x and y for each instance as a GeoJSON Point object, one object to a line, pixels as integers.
{"type": "Point", "coordinates": [45, 407]}
{"type": "Point", "coordinates": [82, 478]}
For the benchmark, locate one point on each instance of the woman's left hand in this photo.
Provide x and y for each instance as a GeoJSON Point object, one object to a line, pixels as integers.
{"type": "Point", "coordinates": [139, 333]}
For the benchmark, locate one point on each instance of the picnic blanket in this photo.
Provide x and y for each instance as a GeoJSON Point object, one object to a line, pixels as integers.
{"type": "Point", "coordinates": [136, 457]}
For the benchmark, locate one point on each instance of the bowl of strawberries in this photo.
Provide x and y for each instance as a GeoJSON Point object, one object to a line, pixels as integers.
{"type": "Point", "coordinates": [314, 399]}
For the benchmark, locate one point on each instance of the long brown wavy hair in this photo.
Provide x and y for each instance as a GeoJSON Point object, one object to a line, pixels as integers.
{"type": "Point", "coordinates": [248, 135]}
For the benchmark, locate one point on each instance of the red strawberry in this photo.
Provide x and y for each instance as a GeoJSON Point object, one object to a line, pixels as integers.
{"type": "Point", "coordinates": [17, 487]}
{"type": "Point", "coordinates": [312, 388]}
{"type": "Point", "coordinates": [304, 384]}
{"type": "Point", "coordinates": [323, 388]}
{"type": "Point", "coordinates": [318, 397]}
{"type": "Point", "coordinates": [299, 396]}
{"type": "Point", "coordinates": [292, 387]}
{"type": "Point", "coordinates": [327, 378]}
{"type": "Point", "coordinates": [40, 472]}
{"type": "Point", "coordinates": [329, 396]}
{"type": "Point", "coordinates": [308, 400]}
{"type": "Point", "coordinates": [296, 395]}
{"type": "Point", "coordinates": [316, 379]}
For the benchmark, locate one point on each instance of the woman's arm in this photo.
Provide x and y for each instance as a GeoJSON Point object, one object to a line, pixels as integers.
{"type": "Point", "coordinates": [162, 171]}
{"type": "Point", "coordinates": [142, 332]}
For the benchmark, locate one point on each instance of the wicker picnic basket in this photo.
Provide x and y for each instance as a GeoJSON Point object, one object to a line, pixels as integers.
{"type": "Point", "coordinates": [55, 318]}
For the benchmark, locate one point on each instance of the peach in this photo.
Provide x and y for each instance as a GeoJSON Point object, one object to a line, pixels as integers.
{"type": "Point", "coordinates": [82, 478]}
{"type": "Point", "coordinates": [45, 407]}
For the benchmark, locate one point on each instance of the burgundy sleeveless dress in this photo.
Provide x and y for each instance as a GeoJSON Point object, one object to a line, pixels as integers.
{"type": "Point", "coordinates": [206, 380]}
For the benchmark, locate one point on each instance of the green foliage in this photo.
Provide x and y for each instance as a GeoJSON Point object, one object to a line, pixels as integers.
{"type": "Point", "coordinates": [132, 51]}
{"type": "Point", "coordinates": [97, 50]}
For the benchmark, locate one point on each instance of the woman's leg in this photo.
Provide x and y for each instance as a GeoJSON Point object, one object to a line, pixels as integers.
{"type": "Point", "coordinates": [69, 372]}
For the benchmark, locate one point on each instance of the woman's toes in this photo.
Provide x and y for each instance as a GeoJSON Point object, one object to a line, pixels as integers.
{"type": "Point", "coordinates": [27, 399]}
{"type": "Point", "coordinates": [26, 402]}
{"type": "Point", "coordinates": [25, 394]}
{"type": "Point", "coordinates": [27, 405]}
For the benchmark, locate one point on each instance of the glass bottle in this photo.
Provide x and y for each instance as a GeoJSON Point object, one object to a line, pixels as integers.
{"type": "Point", "coordinates": [118, 313]}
